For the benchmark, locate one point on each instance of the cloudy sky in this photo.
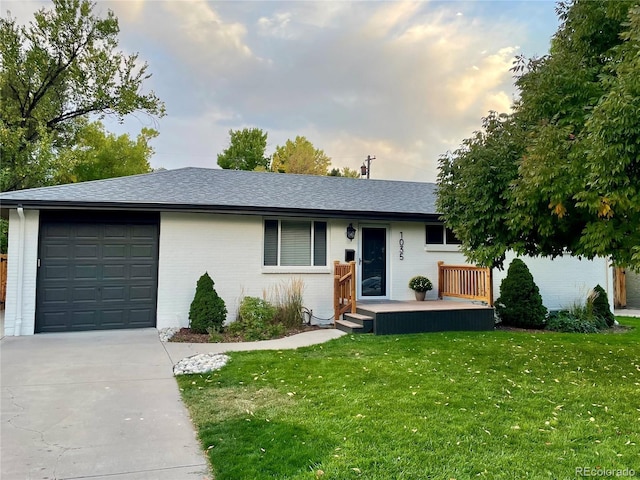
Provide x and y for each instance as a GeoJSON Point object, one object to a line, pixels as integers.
{"type": "Point", "coordinates": [402, 81]}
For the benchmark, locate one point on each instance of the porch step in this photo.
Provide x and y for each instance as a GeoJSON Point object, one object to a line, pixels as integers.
{"type": "Point", "coordinates": [365, 321]}
{"type": "Point", "coordinates": [349, 327]}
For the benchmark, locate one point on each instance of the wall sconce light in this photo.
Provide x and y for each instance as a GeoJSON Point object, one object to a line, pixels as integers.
{"type": "Point", "coordinates": [351, 232]}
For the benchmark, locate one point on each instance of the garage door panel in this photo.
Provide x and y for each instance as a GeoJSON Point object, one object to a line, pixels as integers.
{"type": "Point", "coordinates": [115, 232]}
{"type": "Point", "coordinates": [58, 252]}
{"type": "Point", "coordinates": [86, 252]}
{"type": "Point", "coordinates": [85, 294]}
{"type": "Point", "coordinates": [84, 319]}
{"type": "Point", "coordinates": [55, 321]}
{"type": "Point", "coordinates": [86, 232]}
{"type": "Point", "coordinates": [142, 251]}
{"type": "Point", "coordinates": [114, 272]}
{"type": "Point", "coordinates": [58, 231]}
{"type": "Point", "coordinates": [59, 295]}
{"type": "Point", "coordinates": [55, 272]}
{"type": "Point", "coordinates": [141, 317]}
{"type": "Point", "coordinates": [85, 272]}
{"type": "Point", "coordinates": [114, 251]}
{"type": "Point", "coordinates": [144, 231]}
{"type": "Point", "coordinates": [114, 294]}
{"type": "Point", "coordinates": [141, 272]}
{"type": "Point", "coordinates": [97, 275]}
{"type": "Point", "coordinates": [113, 318]}
{"type": "Point", "coordinates": [140, 292]}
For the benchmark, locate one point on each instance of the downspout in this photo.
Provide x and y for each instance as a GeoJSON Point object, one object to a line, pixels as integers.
{"type": "Point", "coordinates": [19, 287]}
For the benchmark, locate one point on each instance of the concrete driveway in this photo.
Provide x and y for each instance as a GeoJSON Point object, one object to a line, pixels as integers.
{"type": "Point", "coordinates": [99, 405]}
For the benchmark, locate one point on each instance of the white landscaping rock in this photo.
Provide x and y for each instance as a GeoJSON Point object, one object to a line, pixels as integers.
{"type": "Point", "coordinates": [165, 334]}
{"type": "Point", "coordinates": [200, 363]}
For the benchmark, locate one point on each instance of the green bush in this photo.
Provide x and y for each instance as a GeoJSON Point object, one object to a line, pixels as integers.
{"type": "Point", "coordinates": [520, 303]}
{"type": "Point", "coordinates": [255, 320]}
{"type": "Point", "coordinates": [565, 321]}
{"type": "Point", "coordinates": [600, 305]}
{"type": "Point", "coordinates": [208, 310]}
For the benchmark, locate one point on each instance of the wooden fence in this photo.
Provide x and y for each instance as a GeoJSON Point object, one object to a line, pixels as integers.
{"type": "Point", "coordinates": [465, 281]}
{"type": "Point", "coordinates": [344, 288]}
{"type": "Point", "coordinates": [619, 287]}
{"type": "Point", "coordinates": [3, 278]}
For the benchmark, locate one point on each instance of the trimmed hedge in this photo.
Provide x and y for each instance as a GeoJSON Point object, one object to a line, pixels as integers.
{"type": "Point", "coordinates": [600, 305]}
{"type": "Point", "coordinates": [208, 311]}
{"type": "Point", "coordinates": [520, 303]}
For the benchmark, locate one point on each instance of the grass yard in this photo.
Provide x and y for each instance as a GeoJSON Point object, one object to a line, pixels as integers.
{"type": "Point", "coordinates": [455, 405]}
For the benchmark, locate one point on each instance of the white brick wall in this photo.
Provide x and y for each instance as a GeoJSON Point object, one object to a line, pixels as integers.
{"type": "Point", "coordinates": [563, 281]}
{"type": "Point", "coordinates": [229, 247]}
{"type": "Point", "coordinates": [30, 270]}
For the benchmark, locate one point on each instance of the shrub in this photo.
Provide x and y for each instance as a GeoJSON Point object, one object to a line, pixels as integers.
{"type": "Point", "coordinates": [420, 284]}
{"type": "Point", "coordinates": [600, 305]}
{"type": "Point", "coordinates": [255, 320]}
{"type": "Point", "coordinates": [520, 303]}
{"type": "Point", "coordinates": [207, 310]}
{"type": "Point", "coordinates": [566, 321]}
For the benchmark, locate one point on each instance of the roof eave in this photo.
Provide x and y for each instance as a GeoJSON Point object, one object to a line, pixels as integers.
{"type": "Point", "coordinates": [222, 209]}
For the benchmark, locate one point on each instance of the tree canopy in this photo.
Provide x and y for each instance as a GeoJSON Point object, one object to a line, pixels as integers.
{"type": "Point", "coordinates": [245, 151]}
{"type": "Point", "coordinates": [561, 173]}
{"type": "Point", "coordinates": [300, 156]}
{"type": "Point", "coordinates": [345, 172]}
{"type": "Point", "coordinates": [56, 72]}
{"type": "Point", "coordinates": [97, 154]}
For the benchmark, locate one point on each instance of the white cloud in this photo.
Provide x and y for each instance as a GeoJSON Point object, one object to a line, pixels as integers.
{"type": "Point", "coordinates": [405, 81]}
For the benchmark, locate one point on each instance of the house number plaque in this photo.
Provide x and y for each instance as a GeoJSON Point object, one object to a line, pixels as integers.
{"type": "Point", "coordinates": [401, 242]}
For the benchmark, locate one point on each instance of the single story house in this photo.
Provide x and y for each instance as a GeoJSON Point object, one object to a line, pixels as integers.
{"type": "Point", "coordinates": [127, 252]}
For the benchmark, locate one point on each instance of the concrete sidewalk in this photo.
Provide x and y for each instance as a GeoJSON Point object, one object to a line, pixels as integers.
{"type": "Point", "coordinates": [103, 405]}
{"type": "Point", "coordinates": [178, 351]}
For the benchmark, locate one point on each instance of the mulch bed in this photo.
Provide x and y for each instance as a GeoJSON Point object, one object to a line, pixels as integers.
{"type": "Point", "coordinates": [185, 335]}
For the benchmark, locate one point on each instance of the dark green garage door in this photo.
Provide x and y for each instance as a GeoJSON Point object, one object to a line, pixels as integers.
{"type": "Point", "coordinates": [97, 271]}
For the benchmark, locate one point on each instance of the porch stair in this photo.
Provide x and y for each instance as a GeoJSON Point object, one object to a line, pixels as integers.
{"type": "Point", "coordinates": [355, 323]}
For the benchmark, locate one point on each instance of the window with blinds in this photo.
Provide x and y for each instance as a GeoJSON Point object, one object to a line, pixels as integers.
{"type": "Point", "coordinates": [291, 243]}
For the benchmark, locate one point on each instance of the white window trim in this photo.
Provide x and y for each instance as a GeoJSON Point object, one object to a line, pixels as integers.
{"type": "Point", "coordinates": [322, 269]}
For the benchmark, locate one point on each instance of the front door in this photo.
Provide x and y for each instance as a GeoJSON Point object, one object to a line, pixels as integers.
{"type": "Point", "coordinates": [373, 262]}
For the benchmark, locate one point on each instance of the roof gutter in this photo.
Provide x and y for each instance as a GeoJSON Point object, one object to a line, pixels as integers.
{"type": "Point", "coordinates": [226, 209]}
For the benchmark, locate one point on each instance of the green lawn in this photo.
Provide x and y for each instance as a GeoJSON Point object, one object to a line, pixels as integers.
{"type": "Point", "coordinates": [455, 405]}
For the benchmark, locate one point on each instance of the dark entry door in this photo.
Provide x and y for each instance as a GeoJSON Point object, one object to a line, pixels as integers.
{"type": "Point", "coordinates": [374, 262]}
{"type": "Point", "coordinates": [97, 271]}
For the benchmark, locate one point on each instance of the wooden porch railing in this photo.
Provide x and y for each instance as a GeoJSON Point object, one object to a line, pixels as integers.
{"type": "Point", "coordinates": [465, 281]}
{"type": "Point", "coordinates": [344, 288]}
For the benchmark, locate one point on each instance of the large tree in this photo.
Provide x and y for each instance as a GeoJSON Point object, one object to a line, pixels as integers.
{"type": "Point", "coordinates": [245, 151]}
{"type": "Point", "coordinates": [97, 154]}
{"type": "Point", "coordinates": [300, 156]}
{"type": "Point", "coordinates": [561, 174]}
{"type": "Point", "coordinates": [63, 67]}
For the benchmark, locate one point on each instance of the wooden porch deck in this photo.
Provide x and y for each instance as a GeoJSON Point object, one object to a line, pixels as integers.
{"type": "Point", "coordinates": [396, 317]}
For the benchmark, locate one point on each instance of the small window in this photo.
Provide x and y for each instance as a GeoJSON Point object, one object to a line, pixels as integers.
{"type": "Point", "coordinates": [292, 243]}
{"type": "Point", "coordinates": [435, 235]}
{"type": "Point", "coordinates": [451, 238]}
{"type": "Point", "coordinates": [440, 235]}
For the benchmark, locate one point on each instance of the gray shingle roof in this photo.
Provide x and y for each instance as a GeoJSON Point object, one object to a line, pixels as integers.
{"type": "Point", "coordinates": [203, 189]}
